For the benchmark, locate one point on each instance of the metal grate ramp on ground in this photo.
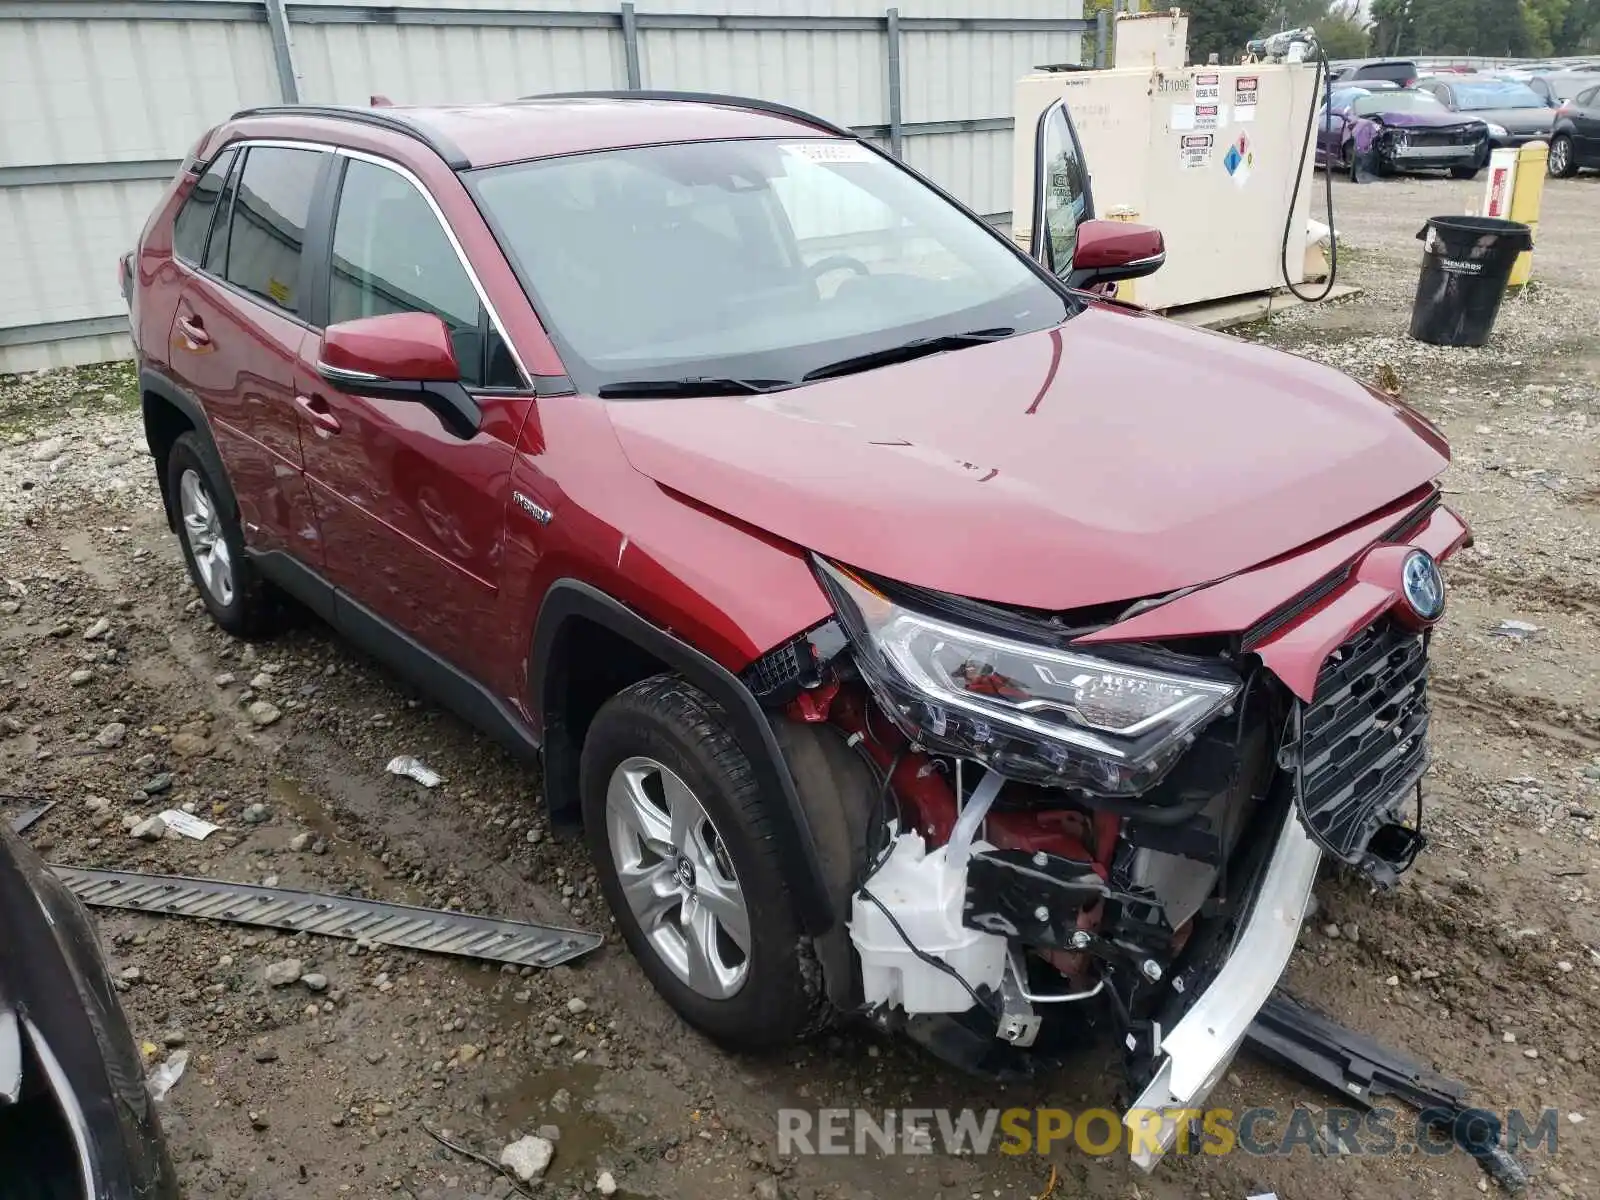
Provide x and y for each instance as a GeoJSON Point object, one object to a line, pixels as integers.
{"type": "Point", "coordinates": [521, 943]}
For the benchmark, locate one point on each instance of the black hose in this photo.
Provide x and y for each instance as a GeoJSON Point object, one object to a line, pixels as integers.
{"type": "Point", "coordinates": [1294, 195]}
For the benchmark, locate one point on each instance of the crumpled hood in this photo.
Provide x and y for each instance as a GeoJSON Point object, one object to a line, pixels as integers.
{"type": "Point", "coordinates": [1114, 457]}
{"type": "Point", "coordinates": [1426, 120]}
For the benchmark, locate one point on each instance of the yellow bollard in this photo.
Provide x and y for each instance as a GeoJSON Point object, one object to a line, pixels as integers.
{"type": "Point", "coordinates": [1527, 190]}
{"type": "Point", "coordinates": [1123, 212]}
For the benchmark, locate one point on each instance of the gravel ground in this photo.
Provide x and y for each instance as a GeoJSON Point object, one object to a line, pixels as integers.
{"type": "Point", "coordinates": [325, 1078]}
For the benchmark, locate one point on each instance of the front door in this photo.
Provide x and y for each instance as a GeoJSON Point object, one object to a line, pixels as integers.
{"type": "Point", "coordinates": [412, 514]}
{"type": "Point", "coordinates": [240, 329]}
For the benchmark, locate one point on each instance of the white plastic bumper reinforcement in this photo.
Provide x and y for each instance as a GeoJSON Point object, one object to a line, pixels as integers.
{"type": "Point", "coordinates": [1198, 1049]}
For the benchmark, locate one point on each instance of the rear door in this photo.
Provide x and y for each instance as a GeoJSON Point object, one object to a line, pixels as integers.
{"type": "Point", "coordinates": [412, 515]}
{"type": "Point", "coordinates": [238, 332]}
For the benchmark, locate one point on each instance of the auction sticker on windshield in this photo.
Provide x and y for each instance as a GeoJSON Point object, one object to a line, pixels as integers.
{"type": "Point", "coordinates": [830, 152]}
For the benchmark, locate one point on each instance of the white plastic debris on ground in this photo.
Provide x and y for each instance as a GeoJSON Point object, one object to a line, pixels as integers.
{"type": "Point", "coordinates": [163, 1078]}
{"type": "Point", "coordinates": [1317, 232]}
{"type": "Point", "coordinates": [414, 768]}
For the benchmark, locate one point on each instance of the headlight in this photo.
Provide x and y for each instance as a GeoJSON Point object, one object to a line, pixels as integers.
{"type": "Point", "coordinates": [1031, 711]}
{"type": "Point", "coordinates": [1496, 130]}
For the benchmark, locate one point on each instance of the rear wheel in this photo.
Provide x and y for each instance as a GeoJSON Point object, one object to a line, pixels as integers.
{"type": "Point", "coordinates": [238, 599]}
{"type": "Point", "coordinates": [1561, 163]}
{"type": "Point", "coordinates": [687, 859]}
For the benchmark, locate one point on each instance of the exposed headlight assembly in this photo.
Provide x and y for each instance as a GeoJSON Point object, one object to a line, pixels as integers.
{"type": "Point", "coordinates": [1033, 712]}
{"type": "Point", "coordinates": [1496, 130]}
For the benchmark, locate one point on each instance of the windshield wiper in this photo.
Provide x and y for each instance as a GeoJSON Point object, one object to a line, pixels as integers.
{"type": "Point", "coordinates": [644, 388]}
{"type": "Point", "coordinates": [906, 351]}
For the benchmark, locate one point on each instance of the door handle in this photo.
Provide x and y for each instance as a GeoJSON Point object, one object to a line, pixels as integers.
{"type": "Point", "coordinates": [194, 331]}
{"type": "Point", "coordinates": [318, 413]}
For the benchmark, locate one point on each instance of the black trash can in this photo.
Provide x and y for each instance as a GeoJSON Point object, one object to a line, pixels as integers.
{"type": "Point", "coordinates": [1466, 262]}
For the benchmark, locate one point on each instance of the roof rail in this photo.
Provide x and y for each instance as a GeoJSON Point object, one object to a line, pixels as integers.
{"type": "Point", "coordinates": [386, 118]}
{"type": "Point", "coordinates": [746, 102]}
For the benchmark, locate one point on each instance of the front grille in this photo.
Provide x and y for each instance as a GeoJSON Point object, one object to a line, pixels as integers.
{"type": "Point", "coordinates": [1443, 137]}
{"type": "Point", "coordinates": [776, 676]}
{"type": "Point", "coordinates": [1363, 742]}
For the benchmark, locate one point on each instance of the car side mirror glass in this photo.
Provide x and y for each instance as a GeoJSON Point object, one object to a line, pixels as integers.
{"type": "Point", "coordinates": [1108, 251]}
{"type": "Point", "coordinates": [400, 356]}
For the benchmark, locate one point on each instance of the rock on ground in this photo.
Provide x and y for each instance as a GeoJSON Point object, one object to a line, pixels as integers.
{"type": "Point", "coordinates": [528, 1157]}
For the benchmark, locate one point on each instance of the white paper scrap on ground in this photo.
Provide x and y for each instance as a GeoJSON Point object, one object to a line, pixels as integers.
{"type": "Point", "coordinates": [189, 825]}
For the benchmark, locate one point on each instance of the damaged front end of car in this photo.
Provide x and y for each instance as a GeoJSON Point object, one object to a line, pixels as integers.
{"type": "Point", "coordinates": [1066, 832]}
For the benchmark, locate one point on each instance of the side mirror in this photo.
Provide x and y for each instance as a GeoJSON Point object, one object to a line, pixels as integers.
{"type": "Point", "coordinates": [1109, 251]}
{"type": "Point", "coordinates": [400, 356]}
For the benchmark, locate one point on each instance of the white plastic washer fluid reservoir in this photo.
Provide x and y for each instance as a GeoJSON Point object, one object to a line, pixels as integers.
{"type": "Point", "coordinates": [926, 896]}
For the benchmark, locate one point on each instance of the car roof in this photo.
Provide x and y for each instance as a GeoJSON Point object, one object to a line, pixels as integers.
{"type": "Point", "coordinates": [468, 136]}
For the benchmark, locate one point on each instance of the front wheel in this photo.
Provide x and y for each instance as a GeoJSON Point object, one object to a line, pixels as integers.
{"type": "Point", "coordinates": [1464, 172]}
{"type": "Point", "coordinates": [680, 838]}
{"type": "Point", "coordinates": [1562, 163]}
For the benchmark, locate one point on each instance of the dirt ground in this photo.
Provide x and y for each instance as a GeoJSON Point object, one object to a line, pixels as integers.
{"type": "Point", "coordinates": [1484, 963]}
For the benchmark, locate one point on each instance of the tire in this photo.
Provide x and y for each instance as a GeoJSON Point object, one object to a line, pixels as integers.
{"type": "Point", "coordinates": [207, 520]}
{"type": "Point", "coordinates": [1464, 172]}
{"type": "Point", "coordinates": [1562, 162]}
{"type": "Point", "coordinates": [765, 995]}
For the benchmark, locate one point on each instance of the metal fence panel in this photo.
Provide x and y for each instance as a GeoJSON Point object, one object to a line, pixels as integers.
{"type": "Point", "coordinates": [77, 91]}
{"type": "Point", "coordinates": [100, 99]}
{"type": "Point", "coordinates": [838, 75]}
{"type": "Point", "coordinates": [436, 64]}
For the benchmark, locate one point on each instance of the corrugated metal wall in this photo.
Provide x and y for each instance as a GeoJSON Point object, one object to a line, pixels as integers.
{"type": "Point", "coordinates": [100, 99]}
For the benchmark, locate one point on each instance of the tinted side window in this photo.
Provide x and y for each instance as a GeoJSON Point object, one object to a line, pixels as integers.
{"type": "Point", "coordinates": [1588, 98]}
{"type": "Point", "coordinates": [268, 230]}
{"type": "Point", "coordinates": [390, 254]}
{"type": "Point", "coordinates": [222, 228]}
{"type": "Point", "coordinates": [194, 218]}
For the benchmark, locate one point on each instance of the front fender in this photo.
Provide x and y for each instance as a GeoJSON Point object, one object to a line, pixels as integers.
{"type": "Point", "coordinates": [571, 600]}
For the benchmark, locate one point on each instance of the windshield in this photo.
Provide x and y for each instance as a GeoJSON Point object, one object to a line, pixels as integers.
{"type": "Point", "coordinates": [751, 259]}
{"type": "Point", "coordinates": [1500, 93]}
{"type": "Point", "coordinates": [1397, 102]}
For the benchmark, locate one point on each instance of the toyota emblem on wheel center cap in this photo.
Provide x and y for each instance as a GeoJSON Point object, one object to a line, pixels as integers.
{"type": "Point", "coordinates": [1422, 585]}
{"type": "Point", "coordinates": [685, 872]}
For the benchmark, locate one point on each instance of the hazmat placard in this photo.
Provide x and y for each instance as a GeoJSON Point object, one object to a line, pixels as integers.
{"type": "Point", "coordinates": [1207, 89]}
{"type": "Point", "coordinates": [1239, 159]}
{"type": "Point", "coordinates": [1194, 150]}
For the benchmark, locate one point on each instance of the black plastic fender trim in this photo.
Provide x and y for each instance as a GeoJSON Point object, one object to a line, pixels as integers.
{"type": "Point", "coordinates": [154, 383]}
{"type": "Point", "coordinates": [570, 599]}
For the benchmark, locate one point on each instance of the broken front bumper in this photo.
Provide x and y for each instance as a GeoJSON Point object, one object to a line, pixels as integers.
{"type": "Point", "coordinates": [1195, 1052]}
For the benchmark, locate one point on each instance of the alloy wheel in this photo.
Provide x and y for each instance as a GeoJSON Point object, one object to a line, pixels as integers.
{"type": "Point", "coordinates": [202, 529]}
{"type": "Point", "coordinates": [677, 877]}
{"type": "Point", "coordinates": [1560, 149]}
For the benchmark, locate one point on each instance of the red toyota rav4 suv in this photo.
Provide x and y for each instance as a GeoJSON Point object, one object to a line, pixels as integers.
{"type": "Point", "coordinates": [912, 631]}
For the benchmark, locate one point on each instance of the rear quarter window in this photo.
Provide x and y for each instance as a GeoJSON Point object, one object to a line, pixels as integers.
{"type": "Point", "coordinates": [193, 222]}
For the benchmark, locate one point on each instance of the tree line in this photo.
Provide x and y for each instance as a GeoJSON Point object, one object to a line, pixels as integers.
{"type": "Point", "coordinates": [1497, 28]}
